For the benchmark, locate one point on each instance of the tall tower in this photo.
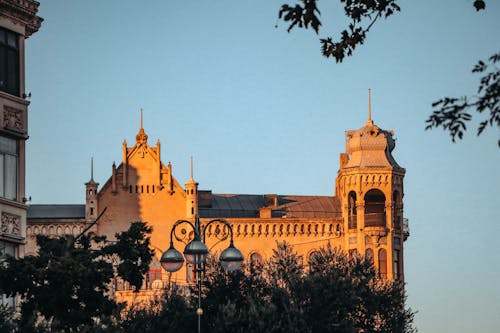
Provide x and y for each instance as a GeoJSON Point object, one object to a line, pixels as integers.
{"type": "Point", "coordinates": [191, 195]}
{"type": "Point", "coordinates": [91, 196]}
{"type": "Point", "coordinates": [370, 187]}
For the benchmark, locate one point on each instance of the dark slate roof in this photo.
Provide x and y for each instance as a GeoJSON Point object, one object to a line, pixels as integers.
{"type": "Point", "coordinates": [56, 211]}
{"type": "Point", "coordinates": [233, 205]}
{"type": "Point", "coordinates": [248, 205]}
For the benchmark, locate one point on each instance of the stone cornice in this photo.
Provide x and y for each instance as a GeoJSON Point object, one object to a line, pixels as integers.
{"type": "Point", "coordinates": [13, 203]}
{"type": "Point", "coordinates": [23, 12]}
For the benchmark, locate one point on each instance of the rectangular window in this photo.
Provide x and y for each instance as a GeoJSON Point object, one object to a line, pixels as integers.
{"type": "Point", "coordinates": [396, 264]}
{"type": "Point", "coordinates": [8, 168]}
{"type": "Point", "coordinates": [9, 62]}
{"type": "Point", "coordinates": [11, 250]}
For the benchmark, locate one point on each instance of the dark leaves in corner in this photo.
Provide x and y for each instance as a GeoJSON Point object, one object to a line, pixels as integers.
{"type": "Point", "coordinates": [453, 113]}
{"type": "Point", "coordinates": [479, 5]}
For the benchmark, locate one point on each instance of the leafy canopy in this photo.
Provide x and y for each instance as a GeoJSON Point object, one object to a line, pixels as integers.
{"type": "Point", "coordinates": [68, 284]}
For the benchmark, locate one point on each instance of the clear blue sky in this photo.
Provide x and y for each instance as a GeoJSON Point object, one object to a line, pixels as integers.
{"type": "Point", "coordinates": [262, 111]}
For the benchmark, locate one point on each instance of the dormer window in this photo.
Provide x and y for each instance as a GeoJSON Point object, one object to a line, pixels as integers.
{"type": "Point", "coordinates": [9, 62]}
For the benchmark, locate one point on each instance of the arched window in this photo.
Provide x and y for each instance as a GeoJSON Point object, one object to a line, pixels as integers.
{"type": "Point", "coordinates": [190, 273]}
{"type": "Point", "coordinates": [374, 208]}
{"type": "Point", "coordinates": [353, 254]}
{"type": "Point", "coordinates": [351, 211]}
{"type": "Point", "coordinates": [382, 263]}
{"type": "Point", "coordinates": [369, 255]}
{"type": "Point", "coordinates": [256, 262]}
{"type": "Point", "coordinates": [314, 260]}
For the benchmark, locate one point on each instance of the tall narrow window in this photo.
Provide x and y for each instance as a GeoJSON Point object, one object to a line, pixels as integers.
{"type": "Point", "coordinates": [190, 273]}
{"type": "Point", "coordinates": [314, 260]}
{"type": "Point", "coordinates": [256, 262]}
{"type": "Point", "coordinates": [396, 268]}
{"type": "Point", "coordinates": [369, 255]}
{"type": "Point", "coordinates": [397, 211]}
{"type": "Point", "coordinates": [8, 168]}
{"type": "Point", "coordinates": [352, 215]}
{"type": "Point", "coordinates": [9, 62]}
{"type": "Point", "coordinates": [382, 263]}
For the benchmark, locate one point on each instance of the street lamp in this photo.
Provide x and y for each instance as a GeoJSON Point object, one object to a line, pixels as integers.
{"type": "Point", "coordinates": [196, 253]}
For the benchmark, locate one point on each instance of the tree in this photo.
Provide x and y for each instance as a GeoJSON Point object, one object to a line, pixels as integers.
{"type": "Point", "coordinates": [169, 313]}
{"type": "Point", "coordinates": [245, 301]}
{"type": "Point", "coordinates": [454, 112]}
{"type": "Point", "coordinates": [336, 294]}
{"type": "Point", "coordinates": [67, 286]}
{"type": "Point", "coordinates": [342, 294]}
{"type": "Point", "coordinates": [363, 14]}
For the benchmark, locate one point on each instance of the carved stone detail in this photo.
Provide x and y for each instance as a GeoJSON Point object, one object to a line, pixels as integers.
{"type": "Point", "coordinates": [13, 118]}
{"type": "Point", "coordinates": [10, 224]}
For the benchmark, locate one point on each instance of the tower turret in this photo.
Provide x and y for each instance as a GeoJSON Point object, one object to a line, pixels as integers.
{"type": "Point", "coordinates": [191, 195]}
{"type": "Point", "coordinates": [370, 187]}
{"type": "Point", "coordinates": [91, 187]}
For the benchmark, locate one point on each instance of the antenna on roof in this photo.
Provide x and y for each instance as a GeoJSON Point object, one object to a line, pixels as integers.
{"type": "Point", "coordinates": [141, 117]}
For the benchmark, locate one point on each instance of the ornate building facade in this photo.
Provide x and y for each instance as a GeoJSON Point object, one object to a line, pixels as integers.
{"type": "Point", "coordinates": [18, 21]}
{"type": "Point", "coordinates": [364, 215]}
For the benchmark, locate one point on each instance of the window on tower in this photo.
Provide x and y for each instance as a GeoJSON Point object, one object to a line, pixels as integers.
{"type": "Point", "coordinates": [382, 263]}
{"type": "Point", "coordinates": [9, 62]}
{"type": "Point", "coordinates": [374, 208]}
{"type": "Point", "coordinates": [8, 168]}
{"type": "Point", "coordinates": [396, 268]}
{"type": "Point", "coordinates": [352, 215]}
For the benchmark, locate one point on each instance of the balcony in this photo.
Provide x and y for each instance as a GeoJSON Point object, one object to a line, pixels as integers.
{"type": "Point", "coordinates": [375, 224]}
{"type": "Point", "coordinates": [374, 220]}
{"type": "Point", "coordinates": [406, 228]}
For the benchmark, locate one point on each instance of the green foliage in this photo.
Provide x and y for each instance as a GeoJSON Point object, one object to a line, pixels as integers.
{"type": "Point", "coordinates": [362, 15]}
{"type": "Point", "coordinates": [337, 294]}
{"type": "Point", "coordinates": [133, 249]}
{"type": "Point", "coordinates": [66, 287]}
{"type": "Point", "coordinates": [454, 113]}
{"type": "Point", "coordinates": [169, 313]}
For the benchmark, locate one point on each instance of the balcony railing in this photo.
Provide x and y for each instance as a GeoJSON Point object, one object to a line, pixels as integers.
{"type": "Point", "coordinates": [374, 219]}
{"type": "Point", "coordinates": [352, 223]}
{"type": "Point", "coordinates": [406, 226]}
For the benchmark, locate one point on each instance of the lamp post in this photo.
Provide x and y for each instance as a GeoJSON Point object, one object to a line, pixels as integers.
{"type": "Point", "coordinates": [196, 253]}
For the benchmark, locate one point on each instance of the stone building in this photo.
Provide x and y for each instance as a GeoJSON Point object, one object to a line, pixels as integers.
{"type": "Point", "coordinates": [18, 21]}
{"type": "Point", "coordinates": [364, 215]}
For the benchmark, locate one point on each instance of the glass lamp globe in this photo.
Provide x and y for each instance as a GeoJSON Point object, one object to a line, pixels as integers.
{"type": "Point", "coordinates": [231, 258]}
{"type": "Point", "coordinates": [171, 260]}
{"type": "Point", "coordinates": [196, 252]}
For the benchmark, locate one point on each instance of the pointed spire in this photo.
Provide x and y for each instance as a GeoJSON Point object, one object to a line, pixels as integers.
{"type": "Point", "coordinates": [369, 121]}
{"type": "Point", "coordinates": [141, 118]}
{"type": "Point", "coordinates": [191, 169]}
{"type": "Point", "coordinates": [91, 181]}
{"type": "Point", "coordinates": [369, 105]}
{"type": "Point", "coordinates": [141, 137]}
{"type": "Point", "coordinates": [92, 169]}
